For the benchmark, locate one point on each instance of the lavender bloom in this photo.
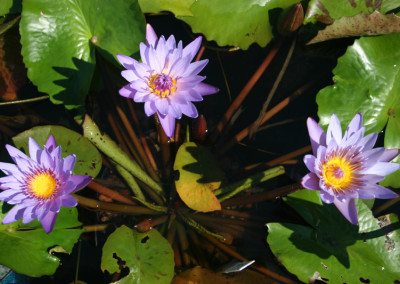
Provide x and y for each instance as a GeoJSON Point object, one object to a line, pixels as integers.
{"type": "Point", "coordinates": [40, 184]}
{"type": "Point", "coordinates": [345, 168]}
{"type": "Point", "coordinates": [166, 82]}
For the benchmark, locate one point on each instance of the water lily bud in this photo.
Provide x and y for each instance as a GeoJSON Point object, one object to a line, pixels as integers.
{"type": "Point", "coordinates": [291, 19]}
{"type": "Point", "coordinates": [144, 226]}
{"type": "Point", "coordinates": [199, 128]}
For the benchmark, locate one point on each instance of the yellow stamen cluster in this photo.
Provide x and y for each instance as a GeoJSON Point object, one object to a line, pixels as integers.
{"type": "Point", "coordinates": [338, 173]}
{"type": "Point", "coordinates": [42, 185]}
{"type": "Point", "coordinates": [162, 89]}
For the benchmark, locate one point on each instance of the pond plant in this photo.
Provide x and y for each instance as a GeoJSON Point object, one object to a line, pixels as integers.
{"type": "Point", "coordinates": [166, 141]}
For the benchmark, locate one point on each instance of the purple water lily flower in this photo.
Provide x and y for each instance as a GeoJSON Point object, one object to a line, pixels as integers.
{"type": "Point", "coordinates": [346, 167]}
{"type": "Point", "coordinates": [40, 184]}
{"type": "Point", "coordinates": [166, 81]}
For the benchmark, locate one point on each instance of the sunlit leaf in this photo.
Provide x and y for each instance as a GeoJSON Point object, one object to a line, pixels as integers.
{"type": "Point", "coordinates": [235, 22]}
{"type": "Point", "coordinates": [198, 177]}
{"type": "Point", "coordinates": [367, 80]}
{"type": "Point", "coordinates": [25, 247]}
{"type": "Point", "coordinates": [88, 159]}
{"type": "Point", "coordinates": [333, 249]}
{"type": "Point", "coordinates": [59, 39]}
{"type": "Point", "coordinates": [178, 7]}
{"type": "Point", "coordinates": [148, 256]}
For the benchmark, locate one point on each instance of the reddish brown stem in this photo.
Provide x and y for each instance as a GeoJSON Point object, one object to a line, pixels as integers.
{"type": "Point", "coordinates": [136, 143]}
{"type": "Point", "coordinates": [262, 196]}
{"type": "Point", "coordinates": [386, 205]}
{"type": "Point", "coordinates": [268, 115]}
{"type": "Point", "coordinates": [113, 207]}
{"type": "Point", "coordinates": [208, 218]}
{"type": "Point", "coordinates": [244, 92]}
{"type": "Point", "coordinates": [201, 51]}
{"type": "Point", "coordinates": [165, 149]}
{"type": "Point", "coordinates": [110, 193]}
{"type": "Point", "coordinates": [142, 138]}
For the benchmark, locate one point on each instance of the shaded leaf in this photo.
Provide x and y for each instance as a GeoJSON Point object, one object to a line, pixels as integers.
{"type": "Point", "coordinates": [326, 11]}
{"type": "Point", "coordinates": [198, 177]}
{"type": "Point", "coordinates": [25, 247]}
{"type": "Point", "coordinates": [367, 80]}
{"type": "Point", "coordinates": [59, 39]}
{"type": "Point", "coordinates": [235, 22]}
{"type": "Point", "coordinates": [178, 7]}
{"type": "Point", "coordinates": [334, 249]}
{"type": "Point", "coordinates": [148, 256]}
{"type": "Point", "coordinates": [88, 159]}
{"type": "Point", "coordinates": [359, 25]}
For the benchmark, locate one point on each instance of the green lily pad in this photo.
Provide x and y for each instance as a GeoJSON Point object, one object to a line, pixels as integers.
{"type": "Point", "coordinates": [88, 159]}
{"type": "Point", "coordinates": [26, 247]}
{"type": "Point", "coordinates": [333, 249]}
{"type": "Point", "coordinates": [148, 256]}
{"type": "Point", "coordinates": [367, 80]}
{"type": "Point", "coordinates": [59, 39]}
{"type": "Point", "coordinates": [235, 22]}
{"type": "Point", "coordinates": [178, 7]}
{"type": "Point", "coordinates": [198, 177]}
{"type": "Point", "coordinates": [326, 11]}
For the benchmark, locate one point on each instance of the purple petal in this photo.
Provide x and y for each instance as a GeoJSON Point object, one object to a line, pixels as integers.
{"type": "Point", "coordinates": [193, 96]}
{"type": "Point", "coordinates": [376, 191]}
{"type": "Point", "coordinates": [141, 70]}
{"type": "Point", "coordinates": [326, 197]}
{"type": "Point", "coordinates": [155, 61]}
{"type": "Point", "coordinates": [151, 36]}
{"type": "Point", "coordinates": [334, 130]}
{"type": "Point", "coordinates": [9, 169]}
{"type": "Point", "coordinates": [79, 181]}
{"type": "Point", "coordinates": [195, 67]}
{"type": "Point", "coordinates": [161, 52]}
{"type": "Point", "coordinates": [34, 150]}
{"type": "Point", "coordinates": [381, 169]}
{"type": "Point", "coordinates": [139, 85]}
{"type": "Point", "coordinates": [171, 42]}
{"type": "Point", "coordinates": [168, 124]}
{"type": "Point", "coordinates": [141, 97]}
{"type": "Point", "coordinates": [368, 141]}
{"type": "Point", "coordinates": [14, 152]}
{"type": "Point", "coordinates": [205, 89]}
{"type": "Point", "coordinates": [192, 48]}
{"type": "Point", "coordinates": [51, 143]}
{"type": "Point", "coordinates": [354, 125]}
{"type": "Point", "coordinates": [127, 92]}
{"type": "Point", "coordinates": [190, 80]}
{"type": "Point", "coordinates": [48, 221]}
{"type": "Point", "coordinates": [371, 156]}
{"type": "Point", "coordinates": [348, 209]}
{"type": "Point", "coordinates": [56, 154]}
{"type": "Point", "coordinates": [14, 214]}
{"type": "Point", "coordinates": [354, 138]}
{"type": "Point", "coordinates": [162, 106]}
{"type": "Point", "coordinates": [68, 201]}
{"type": "Point", "coordinates": [28, 215]}
{"type": "Point", "coordinates": [17, 198]}
{"type": "Point", "coordinates": [317, 134]}
{"type": "Point", "coordinates": [389, 155]}
{"type": "Point", "coordinates": [126, 61]}
{"type": "Point", "coordinates": [179, 68]}
{"type": "Point", "coordinates": [144, 53]}
{"type": "Point", "coordinates": [6, 195]}
{"type": "Point", "coordinates": [46, 160]}
{"type": "Point", "coordinates": [189, 109]}
{"type": "Point", "coordinates": [175, 111]}
{"type": "Point", "coordinates": [54, 205]}
{"type": "Point", "coordinates": [23, 164]}
{"type": "Point", "coordinates": [310, 181]}
{"type": "Point", "coordinates": [129, 75]}
{"type": "Point", "coordinates": [149, 108]}
{"type": "Point", "coordinates": [309, 161]}
{"type": "Point", "coordinates": [69, 162]}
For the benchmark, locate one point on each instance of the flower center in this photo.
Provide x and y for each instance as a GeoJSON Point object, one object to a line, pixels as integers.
{"type": "Point", "coordinates": [162, 85]}
{"type": "Point", "coordinates": [42, 185]}
{"type": "Point", "coordinates": [337, 173]}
